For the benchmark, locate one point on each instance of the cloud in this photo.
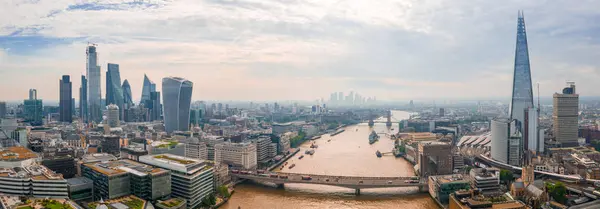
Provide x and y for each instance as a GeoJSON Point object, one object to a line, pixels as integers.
{"type": "Point", "coordinates": [301, 49]}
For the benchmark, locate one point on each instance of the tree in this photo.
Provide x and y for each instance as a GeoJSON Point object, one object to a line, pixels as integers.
{"type": "Point", "coordinates": [209, 201]}
{"type": "Point", "coordinates": [557, 191]}
{"type": "Point", "coordinates": [506, 176]}
{"type": "Point", "coordinates": [223, 191]}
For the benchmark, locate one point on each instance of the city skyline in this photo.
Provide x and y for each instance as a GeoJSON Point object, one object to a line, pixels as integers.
{"type": "Point", "coordinates": [283, 53]}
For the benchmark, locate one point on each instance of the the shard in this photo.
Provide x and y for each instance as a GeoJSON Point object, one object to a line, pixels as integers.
{"type": "Point", "coordinates": [522, 95]}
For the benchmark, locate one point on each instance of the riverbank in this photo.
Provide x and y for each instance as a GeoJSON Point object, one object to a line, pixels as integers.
{"type": "Point", "coordinates": [285, 158]}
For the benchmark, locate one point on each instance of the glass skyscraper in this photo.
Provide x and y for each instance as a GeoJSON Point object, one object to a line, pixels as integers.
{"type": "Point", "coordinates": [93, 87]}
{"type": "Point", "coordinates": [127, 99]}
{"type": "Point", "coordinates": [66, 99]}
{"type": "Point", "coordinates": [522, 95]}
{"type": "Point", "coordinates": [148, 87]}
{"type": "Point", "coordinates": [33, 109]}
{"type": "Point", "coordinates": [83, 107]}
{"type": "Point", "coordinates": [114, 91]}
{"type": "Point", "coordinates": [177, 99]}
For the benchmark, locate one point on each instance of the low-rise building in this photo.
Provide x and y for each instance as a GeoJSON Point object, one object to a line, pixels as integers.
{"type": "Point", "coordinates": [467, 199]}
{"type": "Point", "coordinates": [81, 189]}
{"type": "Point", "coordinates": [236, 154]}
{"type": "Point", "coordinates": [173, 203]}
{"type": "Point", "coordinates": [119, 178]}
{"type": "Point", "coordinates": [19, 175]}
{"type": "Point", "coordinates": [440, 187]}
{"type": "Point", "coordinates": [191, 179]}
{"type": "Point", "coordinates": [485, 180]}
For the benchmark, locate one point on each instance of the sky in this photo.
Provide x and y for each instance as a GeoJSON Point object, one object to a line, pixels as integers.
{"type": "Point", "coordinates": [301, 49]}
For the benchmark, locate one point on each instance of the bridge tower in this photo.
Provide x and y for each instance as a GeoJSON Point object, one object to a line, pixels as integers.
{"type": "Point", "coordinates": [389, 119]}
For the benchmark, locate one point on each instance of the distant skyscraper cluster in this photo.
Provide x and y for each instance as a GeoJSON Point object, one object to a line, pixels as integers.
{"type": "Point", "coordinates": [352, 99]}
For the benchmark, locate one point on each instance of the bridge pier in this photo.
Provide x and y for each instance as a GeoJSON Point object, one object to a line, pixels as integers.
{"type": "Point", "coordinates": [357, 191]}
{"type": "Point", "coordinates": [423, 188]}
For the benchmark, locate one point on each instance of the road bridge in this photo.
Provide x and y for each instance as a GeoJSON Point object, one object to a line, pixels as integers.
{"type": "Point", "coordinates": [352, 182]}
{"type": "Point", "coordinates": [549, 174]}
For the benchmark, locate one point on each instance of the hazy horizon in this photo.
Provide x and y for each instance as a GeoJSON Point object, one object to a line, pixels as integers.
{"type": "Point", "coordinates": [304, 50]}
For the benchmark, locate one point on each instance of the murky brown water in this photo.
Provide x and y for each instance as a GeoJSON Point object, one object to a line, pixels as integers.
{"type": "Point", "coordinates": [348, 154]}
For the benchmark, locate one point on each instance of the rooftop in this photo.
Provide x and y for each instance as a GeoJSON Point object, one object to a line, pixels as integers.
{"type": "Point", "coordinates": [16, 154]}
{"type": "Point", "coordinates": [36, 172]}
{"type": "Point", "coordinates": [173, 202]}
{"type": "Point", "coordinates": [175, 162]}
{"type": "Point", "coordinates": [98, 157]}
{"type": "Point", "coordinates": [130, 201]}
{"type": "Point", "coordinates": [123, 166]}
{"type": "Point", "coordinates": [458, 178]}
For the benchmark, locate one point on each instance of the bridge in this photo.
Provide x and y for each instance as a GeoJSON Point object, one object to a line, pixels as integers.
{"type": "Point", "coordinates": [352, 182]}
{"type": "Point", "coordinates": [550, 174]}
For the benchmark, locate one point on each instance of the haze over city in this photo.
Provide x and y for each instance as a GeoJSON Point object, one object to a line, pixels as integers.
{"type": "Point", "coordinates": [300, 50]}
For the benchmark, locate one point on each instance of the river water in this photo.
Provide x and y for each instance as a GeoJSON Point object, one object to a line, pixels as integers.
{"type": "Point", "coordinates": [346, 154]}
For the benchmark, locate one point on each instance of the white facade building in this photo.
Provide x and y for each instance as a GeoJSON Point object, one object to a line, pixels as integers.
{"type": "Point", "coordinates": [236, 154]}
{"type": "Point", "coordinates": [191, 179]}
{"type": "Point", "coordinates": [196, 149]}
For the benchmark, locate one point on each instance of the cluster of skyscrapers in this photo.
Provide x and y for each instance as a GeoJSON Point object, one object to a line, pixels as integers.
{"type": "Point", "coordinates": [339, 99]}
{"type": "Point", "coordinates": [118, 96]}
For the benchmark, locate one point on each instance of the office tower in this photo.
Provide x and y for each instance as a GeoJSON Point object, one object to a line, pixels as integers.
{"type": "Point", "coordinates": [66, 99]}
{"type": "Point", "coordinates": [262, 148]}
{"type": "Point", "coordinates": [2, 110]}
{"type": "Point", "coordinates": [32, 94]}
{"type": "Point", "coordinates": [564, 115]}
{"type": "Point", "coordinates": [191, 179]}
{"type": "Point", "coordinates": [83, 106]}
{"type": "Point", "coordinates": [435, 158]}
{"type": "Point", "coordinates": [93, 85]}
{"type": "Point", "coordinates": [72, 104]}
{"type": "Point", "coordinates": [33, 108]}
{"type": "Point", "coordinates": [114, 91]}
{"type": "Point", "coordinates": [177, 99]}
{"type": "Point", "coordinates": [148, 87]}
{"type": "Point", "coordinates": [127, 99]}
{"type": "Point", "coordinates": [113, 115]}
{"type": "Point", "coordinates": [522, 95]}
{"type": "Point", "coordinates": [156, 107]}
{"type": "Point", "coordinates": [241, 155]}
{"type": "Point", "coordinates": [499, 137]}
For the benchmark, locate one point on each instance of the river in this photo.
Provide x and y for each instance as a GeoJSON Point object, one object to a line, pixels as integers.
{"type": "Point", "coordinates": [347, 154]}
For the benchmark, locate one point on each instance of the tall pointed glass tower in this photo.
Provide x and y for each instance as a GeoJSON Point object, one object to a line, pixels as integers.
{"type": "Point", "coordinates": [522, 95]}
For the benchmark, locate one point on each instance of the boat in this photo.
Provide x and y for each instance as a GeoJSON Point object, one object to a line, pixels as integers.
{"type": "Point", "coordinates": [328, 140]}
{"type": "Point", "coordinates": [292, 166]}
{"type": "Point", "coordinates": [315, 137]}
{"type": "Point", "coordinates": [314, 146]}
{"type": "Point", "coordinates": [378, 153]}
{"type": "Point", "coordinates": [357, 129]}
{"type": "Point", "coordinates": [337, 132]}
{"type": "Point", "coordinates": [373, 137]}
{"type": "Point", "coordinates": [300, 158]}
{"type": "Point", "coordinates": [310, 152]}
{"type": "Point", "coordinates": [371, 123]}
